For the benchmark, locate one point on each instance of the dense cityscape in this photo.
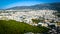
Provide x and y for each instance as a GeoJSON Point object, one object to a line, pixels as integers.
{"type": "Point", "coordinates": [29, 16]}
{"type": "Point", "coordinates": [44, 18]}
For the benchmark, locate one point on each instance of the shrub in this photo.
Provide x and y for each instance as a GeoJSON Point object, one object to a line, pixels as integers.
{"type": "Point", "coordinates": [14, 27]}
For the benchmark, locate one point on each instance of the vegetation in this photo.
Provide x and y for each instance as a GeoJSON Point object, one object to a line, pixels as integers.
{"type": "Point", "coordinates": [58, 23]}
{"type": "Point", "coordinates": [35, 20]}
{"type": "Point", "coordinates": [14, 27]}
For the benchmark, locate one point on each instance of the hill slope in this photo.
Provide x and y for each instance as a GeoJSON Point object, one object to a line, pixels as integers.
{"type": "Point", "coordinates": [51, 6]}
{"type": "Point", "coordinates": [14, 27]}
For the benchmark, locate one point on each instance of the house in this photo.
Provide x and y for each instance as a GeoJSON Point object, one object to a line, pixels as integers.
{"type": "Point", "coordinates": [43, 24]}
{"type": "Point", "coordinates": [47, 24]}
{"type": "Point", "coordinates": [28, 21]}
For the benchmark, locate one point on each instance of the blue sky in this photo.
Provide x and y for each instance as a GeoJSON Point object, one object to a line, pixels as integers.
{"type": "Point", "coordinates": [12, 3]}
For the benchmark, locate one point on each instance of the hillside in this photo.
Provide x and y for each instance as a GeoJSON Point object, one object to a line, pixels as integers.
{"type": "Point", "coordinates": [46, 6]}
{"type": "Point", "coordinates": [14, 27]}
{"type": "Point", "coordinates": [51, 6]}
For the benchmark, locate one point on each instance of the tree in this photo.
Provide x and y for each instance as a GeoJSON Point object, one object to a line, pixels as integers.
{"type": "Point", "coordinates": [35, 20]}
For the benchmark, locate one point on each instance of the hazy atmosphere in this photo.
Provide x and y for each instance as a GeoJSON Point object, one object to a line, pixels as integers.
{"type": "Point", "coordinates": [29, 16]}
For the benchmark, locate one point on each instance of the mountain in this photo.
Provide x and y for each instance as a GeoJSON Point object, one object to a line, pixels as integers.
{"type": "Point", "coordinates": [51, 6]}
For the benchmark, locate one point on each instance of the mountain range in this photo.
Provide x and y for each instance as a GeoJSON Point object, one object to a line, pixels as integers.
{"type": "Point", "coordinates": [51, 6]}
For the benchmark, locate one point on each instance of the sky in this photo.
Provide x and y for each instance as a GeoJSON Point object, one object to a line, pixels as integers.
{"type": "Point", "coordinates": [12, 3]}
